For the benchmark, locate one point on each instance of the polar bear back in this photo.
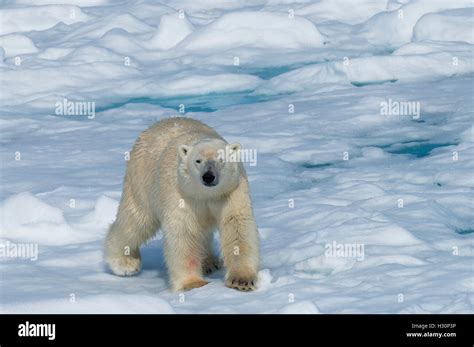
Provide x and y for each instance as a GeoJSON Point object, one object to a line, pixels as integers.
{"type": "Point", "coordinates": [156, 138]}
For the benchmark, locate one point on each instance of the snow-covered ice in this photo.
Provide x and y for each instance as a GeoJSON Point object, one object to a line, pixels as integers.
{"type": "Point", "coordinates": [360, 111]}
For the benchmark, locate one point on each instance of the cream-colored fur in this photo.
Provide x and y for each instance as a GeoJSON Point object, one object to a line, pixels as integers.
{"type": "Point", "coordinates": [163, 189]}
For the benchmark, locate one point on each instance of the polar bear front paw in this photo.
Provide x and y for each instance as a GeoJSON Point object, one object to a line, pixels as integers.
{"type": "Point", "coordinates": [125, 265]}
{"type": "Point", "coordinates": [242, 283]}
{"type": "Point", "coordinates": [188, 283]}
{"type": "Point", "coordinates": [194, 284]}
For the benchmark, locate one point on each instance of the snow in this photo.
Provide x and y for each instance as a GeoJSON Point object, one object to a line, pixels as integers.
{"type": "Point", "coordinates": [395, 27]}
{"type": "Point", "coordinates": [16, 20]}
{"type": "Point", "coordinates": [375, 69]}
{"type": "Point", "coordinates": [24, 208]}
{"type": "Point", "coordinates": [275, 30]}
{"type": "Point", "coordinates": [303, 307]}
{"type": "Point", "coordinates": [83, 3]}
{"type": "Point", "coordinates": [104, 212]}
{"type": "Point", "coordinates": [96, 305]}
{"type": "Point", "coordinates": [307, 91]}
{"type": "Point", "coordinates": [27, 219]}
{"type": "Point", "coordinates": [15, 44]}
{"type": "Point", "coordinates": [172, 30]}
{"type": "Point", "coordinates": [453, 25]}
{"type": "Point", "coordinates": [345, 11]}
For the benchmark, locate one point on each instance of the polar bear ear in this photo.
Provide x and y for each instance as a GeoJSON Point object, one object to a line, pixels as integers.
{"type": "Point", "coordinates": [184, 151]}
{"type": "Point", "coordinates": [234, 147]}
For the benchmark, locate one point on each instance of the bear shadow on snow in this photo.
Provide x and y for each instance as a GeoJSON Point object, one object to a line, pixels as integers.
{"type": "Point", "coordinates": [153, 258]}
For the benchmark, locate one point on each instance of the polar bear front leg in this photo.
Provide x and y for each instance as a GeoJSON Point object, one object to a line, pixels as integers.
{"type": "Point", "coordinates": [184, 249]}
{"type": "Point", "coordinates": [239, 241]}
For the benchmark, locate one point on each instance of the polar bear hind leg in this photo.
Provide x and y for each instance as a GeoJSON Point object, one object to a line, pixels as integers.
{"type": "Point", "coordinates": [211, 262]}
{"type": "Point", "coordinates": [123, 240]}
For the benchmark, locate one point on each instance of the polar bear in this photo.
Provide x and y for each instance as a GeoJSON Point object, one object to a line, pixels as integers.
{"type": "Point", "coordinates": [178, 181]}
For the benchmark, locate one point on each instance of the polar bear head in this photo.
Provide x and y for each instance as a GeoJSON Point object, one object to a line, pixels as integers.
{"type": "Point", "coordinates": [209, 167]}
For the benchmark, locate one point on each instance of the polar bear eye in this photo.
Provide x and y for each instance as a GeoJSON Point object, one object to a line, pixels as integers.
{"type": "Point", "coordinates": [198, 161]}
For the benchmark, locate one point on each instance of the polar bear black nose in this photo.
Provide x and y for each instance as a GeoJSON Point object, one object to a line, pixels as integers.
{"type": "Point", "coordinates": [209, 178]}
